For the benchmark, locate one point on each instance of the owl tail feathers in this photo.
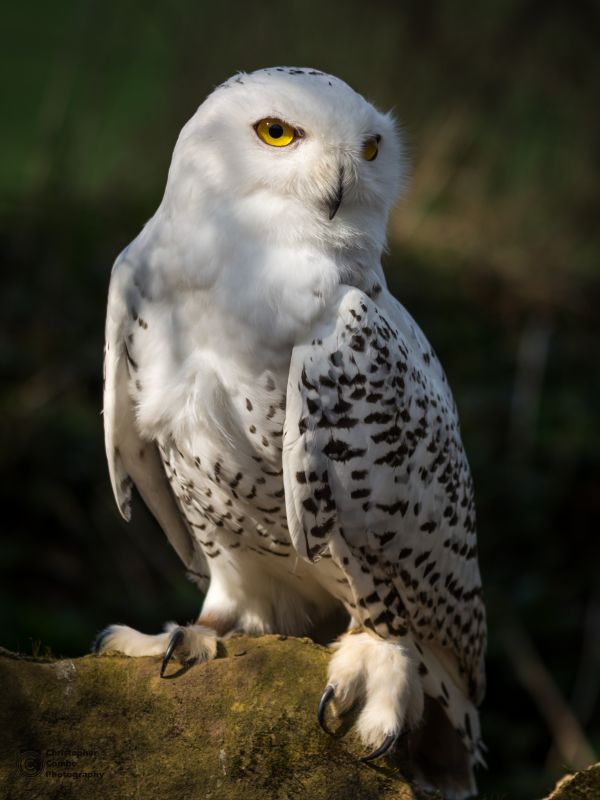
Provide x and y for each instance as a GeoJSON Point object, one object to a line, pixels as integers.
{"type": "Point", "coordinates": [447, 747]}
{"type": "Point", "coordinates": [439, 757]}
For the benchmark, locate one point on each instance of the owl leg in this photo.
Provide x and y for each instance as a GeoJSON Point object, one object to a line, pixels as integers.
{"type": "Point", "coordinates": [188, 644]}
{"type": "Point", "coordinates": [381, 674]}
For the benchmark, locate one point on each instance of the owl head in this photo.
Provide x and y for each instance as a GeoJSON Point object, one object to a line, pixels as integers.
{"type": "Point", "coordinates": [289, 153]}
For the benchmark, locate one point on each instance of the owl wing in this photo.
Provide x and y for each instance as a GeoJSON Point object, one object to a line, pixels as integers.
{"type": "Point", "coordinates": [131, 459]}
{"type": "Point", "coordinates": [377, 479]}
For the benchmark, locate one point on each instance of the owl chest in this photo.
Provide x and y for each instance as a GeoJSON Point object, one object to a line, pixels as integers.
{"type": "Point", "coordinates": [214, 401]}
{"type": "Point", "coordinates": [235, 507]}
{"type": "Point", "coordinates": [223, 459]}
{"type": "Point", "coordinates": [232, 499]}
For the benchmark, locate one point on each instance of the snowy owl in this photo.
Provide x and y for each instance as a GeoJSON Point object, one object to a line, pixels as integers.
{"type": "Point", "coordinates": [287, 422]}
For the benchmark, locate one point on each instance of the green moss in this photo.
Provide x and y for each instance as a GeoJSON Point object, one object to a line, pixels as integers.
{"type": "Point", "coordinates": [584, 785]}
{"type": "Point", "coordinates": [242, 727]}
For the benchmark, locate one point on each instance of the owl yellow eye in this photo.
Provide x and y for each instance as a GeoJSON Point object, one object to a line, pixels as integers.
{"type": "Point", "coordinates": [275, 132]}
{"type": "Point", "coordinates": [371, 148]}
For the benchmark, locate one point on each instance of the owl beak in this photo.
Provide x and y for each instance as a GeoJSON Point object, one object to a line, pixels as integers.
{"type": "Point", "coordinates": [335, 201]}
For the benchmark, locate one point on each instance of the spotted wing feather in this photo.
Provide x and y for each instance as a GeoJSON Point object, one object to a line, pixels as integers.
{"type": "Point", "coordinates": [375, 472]}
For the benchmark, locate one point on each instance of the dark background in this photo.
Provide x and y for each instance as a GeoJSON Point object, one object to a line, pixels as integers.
{"type": "Point", "coordinates": [494, 249]}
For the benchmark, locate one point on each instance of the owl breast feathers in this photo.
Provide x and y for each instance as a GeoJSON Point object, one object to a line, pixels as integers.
{"type": "Point", "coordinates": [288, 423]}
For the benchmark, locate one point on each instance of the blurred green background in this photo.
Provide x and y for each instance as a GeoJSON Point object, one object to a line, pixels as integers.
{"type": "Point", "coordinates": [494, 249]}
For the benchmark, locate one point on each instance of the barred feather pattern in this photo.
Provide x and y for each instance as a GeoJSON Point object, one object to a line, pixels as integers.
{"type": "Point", "coordinates": [376, 474]}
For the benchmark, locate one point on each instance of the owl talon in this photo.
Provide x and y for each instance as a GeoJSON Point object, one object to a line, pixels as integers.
{"type": "Point", "coordinates": [386, 746]}
{"type": "Point", "coordinates": [326, 698]}
{"type": "Point", "coordinates": [174, 642]}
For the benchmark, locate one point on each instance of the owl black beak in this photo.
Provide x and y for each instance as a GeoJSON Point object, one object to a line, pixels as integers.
{"type": "Point", "coordinates": [335, 201]}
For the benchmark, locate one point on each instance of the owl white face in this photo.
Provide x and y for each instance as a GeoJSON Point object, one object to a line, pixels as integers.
{"type": "Point", "coordinates": [289, 148]}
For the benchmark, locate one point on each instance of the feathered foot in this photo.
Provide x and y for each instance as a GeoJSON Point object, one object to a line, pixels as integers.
{"type": "Point", "coordinates": [382, 676]}
{"type": "Point", "coordinates": [187, 644]}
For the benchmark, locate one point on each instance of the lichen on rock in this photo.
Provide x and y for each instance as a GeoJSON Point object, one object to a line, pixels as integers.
{"type": "Point", "coordinates": [584, 785]}
{"type": "Point", "coordinates": [242, 726]}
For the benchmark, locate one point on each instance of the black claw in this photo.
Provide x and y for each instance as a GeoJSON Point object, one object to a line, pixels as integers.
{"type": "Point", "coordinates": [174, 642]}
{"type": "Point", "coordinates": [326, 697]}
{"type": "Point", "coordinates": [388, 743]}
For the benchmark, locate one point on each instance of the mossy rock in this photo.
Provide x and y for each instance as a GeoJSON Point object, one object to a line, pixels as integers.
{"type": "Point", "coordinates": [242, 727]}
{"type": "Point", "coordinates": [585, 785]}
